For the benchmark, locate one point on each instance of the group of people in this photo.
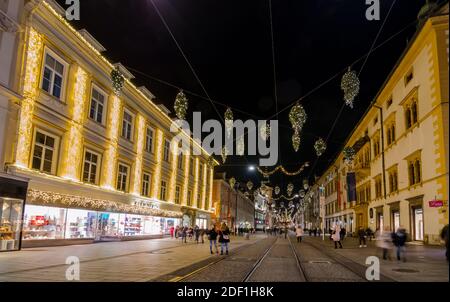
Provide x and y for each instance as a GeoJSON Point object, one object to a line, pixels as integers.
{"type": "Point", "coordinates": [214, 234]}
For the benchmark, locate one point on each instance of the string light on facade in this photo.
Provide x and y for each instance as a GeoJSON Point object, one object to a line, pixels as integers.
{"type": "Point", "coordinates": [350, 85]}
{"type": "Point", "coordinates": [156, 182]}
{"type": "Point", "coordinates": [320, 146]}
{"type": "Point", "coordinates": [181, 105]}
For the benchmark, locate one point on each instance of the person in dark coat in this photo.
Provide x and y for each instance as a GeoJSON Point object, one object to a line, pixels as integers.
{"type": "Point", "coordinates": [224, 238]}
{"type": "Point", "coordinates": [399, 239]}
{"type": "Point", "coordinates": [212, 237]}
{"type": "Point", "coordinates": [342, 233]}
{"type": "Point", "coordinates": [444, 236]}
{"type": "Point", "coordinates": [362, 237]}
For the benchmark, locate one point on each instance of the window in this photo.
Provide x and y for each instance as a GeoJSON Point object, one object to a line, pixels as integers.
{"type": "Point", "coordinates": [414, 171]}
{"type": "Point", "coordinates": [146, 179]}
{"type": "Point", "coordinates": [97, 106]}
{"type": "Point", "coordinates": [166, 150]}
{"type": "Point", "coordinates": [393, 181]}
{"type": "Point", "coordinates": [91, 167]}
{"type": "Point", "coordinates": [149, 140]}
{"type": "Point", "coordinates": [44, 152]}
{"type": "Point", "coordinates": [376, 146]}
{"type": "Point", "coordinates": [389, 103]}
{"type": "Point", "coordinates": [409, 76]}
{"type": "Point", "coordinates": [180, 161]}
{"type": "Point", "coordinates": [127, 125]}
{"type": "Point", "coordinates": [375, 120]}
{"type": "Point", "coordinates": [177, 194]}
{"type": "Point", "coordinates": [199, 200]}
{"type": "Point", "coordinates": [53, 75]}
{"type": "Point", "coordinates": [201, 172]}
{"type": "Point", "coordinates": [191, 166]}
{"type": "Point", "coordinates": [414, 112]}
{"type": "Point", "coordinates": [162, 194]}
{"type": "Point", "coordinates": [411, 113]}
{"type": "Point", "coordinates": [122, 178]}
{"type": "Point", "coordinates": [408, 118]}
{"type": "Point", "coordinates": [189, 198]}
{"type": "Point", "coordinates": [391, 134]}
{"type": "Point", "coordinates": [378, 187]}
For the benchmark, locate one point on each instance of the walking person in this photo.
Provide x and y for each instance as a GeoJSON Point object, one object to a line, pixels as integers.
{"type": "Point", "coordinates": [444, 236]}
{"type": "Point", "coordinates": [384, 241]}
{"type": "Point", "coordinates": [184, 231]}
{"type": "Point", "coordinates": [177, 231]}
{"type": "Point", "coordinates": [399, 239]}
{"type": "Point", "coordinates": [196, 231]}
{"type": "Point", "coordinates": [224, 238]}
{"type": "Point", "coordinates": [362, 237]}
{"type": "Point", "coordinates": [172, 231]}
{"type": "Point", "coordinates": [212, 237]}
{"type": "Point", "coordinates": [299, 233]}
{"type": "Point", "coordinates": [336, 237]}
{"type": "Point", "coordinates": [342, 233]}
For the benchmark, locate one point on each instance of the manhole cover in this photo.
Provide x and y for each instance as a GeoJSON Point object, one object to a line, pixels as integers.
{"type": "Point", "coordinates": [405, 270]}
{"type": "Point", "coordinates": [160, 252]}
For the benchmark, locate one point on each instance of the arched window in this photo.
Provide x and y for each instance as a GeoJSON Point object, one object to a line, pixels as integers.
{"type": "Point", "coordinates": [417, 174]}
{"type": "Point", "coordinates": [389, 136]}
{"type": "Point", "coordinates": [408, 118]}
{"type": "Point", "coordinates": [411, 174]}
{"type": "Point", "coordinates": [391, 182]}
{"type": "Point", "coordinates": [395, 181]}
{"type": "Point", "coordinates": [392, 133]}
{"type": "Point", "coordinates": [414, 112]}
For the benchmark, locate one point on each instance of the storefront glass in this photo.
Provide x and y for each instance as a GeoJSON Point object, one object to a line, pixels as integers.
{"type": "Point", "coordinates": [80, 224]}
{"type": "Point", "coordinates": [202, 223]}
{"type": "Point", "coordinates": [43, 222]}
{"type": "Point", "coordinates": [10, 223]}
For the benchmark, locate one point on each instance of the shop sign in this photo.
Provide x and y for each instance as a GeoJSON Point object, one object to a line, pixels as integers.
{"type": "Point", "coordinates": [436, 203]}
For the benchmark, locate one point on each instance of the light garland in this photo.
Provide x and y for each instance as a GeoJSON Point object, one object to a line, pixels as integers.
{"type": "Point", "coordinates": [181, 105]}
{"type": "Point", "coordinates": [140, 122]}
{"type": "Point", "coordinates": [46, 198]}
{"type": "Point", "coordinates": [283, 170]}
{"type": "Point", "coordinates": [173, 171]}
{"type": "Point", "coordinates": [204, 176]}
{"type": "Point", "coordinates": [277, 190]}
{"type": "Point", "coordinates": [30, 86]}
{"type": "Point", "coordinates": [350, 85]}
{"type": "Point", "coordinates": [211, 184]}
{"type": "Point", "coordinates": [249, 185]}
{"type": "Point", "coordinates": [296, 141]}
{"type": "Point", "coordinates": [74, 144]}
{"type": "Point", "coordinates": [196, 178]}
{"type": "Point", "coordinates": [290, 188]}
{"type": "Point", "coordinates": [186, 178]}
{"type": "Point", "coordinates": [320, 146]}
{"type": "Point", "coordinates": [229, 121]}
{"type": "Point", "coordinates": [232, 182]}
{"type": "Point", "coordinates": [156, 181]}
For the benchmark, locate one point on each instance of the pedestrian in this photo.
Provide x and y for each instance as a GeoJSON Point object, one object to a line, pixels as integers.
{"type": "Point", "coordinates": [315, 232]}
{"type": "Point", "coordinates": [342, 233]}
{"type": "Point", "coordinates": [224, 238]}
{"type": "Point", "coordinates": [172, 231]}
{"type": "Point", "coordinates": [196, 231]}
{"type": "Point", "coordinates": [177, 231]}
{"type": "Point", "coordinates": [336, 237]}
{"type": "Point", "coordinates": [212, 237]}
{"type": "Point", "coordinates": [399, 238]}
{"type": "Point", "coordinates": [384, 241]}
{"type": "Point", "coordinates": [202, 235]}
{"type": "Point", "coordinates": [444, 236]}
{"type": "Point", "coordinates": [299, 233]}
{"type": "Point", "coordinates": [362, 237]}
{"type": "Point", "coordinates": [184, 231]}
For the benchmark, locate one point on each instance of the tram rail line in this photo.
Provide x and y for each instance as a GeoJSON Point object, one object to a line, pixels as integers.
{"type": "Point", "coordinates": [258, 262]}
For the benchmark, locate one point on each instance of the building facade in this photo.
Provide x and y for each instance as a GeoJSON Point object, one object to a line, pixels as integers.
{"type": "Point", "coordinates": [399, 175]}
{"type": "Point", "coordinates": [98, 152]}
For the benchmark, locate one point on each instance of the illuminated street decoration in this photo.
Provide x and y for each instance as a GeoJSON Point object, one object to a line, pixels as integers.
{"type": "Point", "coordinates": [277, 190]}
{"type": "Point", "coordinates": [74, 143]}
{"type": "Point", "coordinates": [196, 179]}
{"type": "Point", "coordinates": [173, 171]}
{"type": "Point", "coordinates": [181, 105]}
{"type": "Point", "coordinates": [30, 86]}
{"type": "Point", "coordinates": [350, 85]}
{"type": "Point", "coordinates": [290, 189]}
{"type": "Point", "coordinates": [349, 154]}
{"type": "Point", "coordinates": [229, 121]}
{"type": "Point", "coordinates": [249, 185]}
{"type": "Point", "coordinates": [283, 170]}
{"type": "Point", "coordinates": [296, 141]}
{"type": "Point", "coordinates": [211, 183]}
{"type": "Point", "coordinates": [204, 178]}
{"type": "Point", "coordinates": [156, 182]}
{"type": "Point", "coordinates": [224, 154]}
{"type": "Point", "coordinates": [320, 146]}
{"type": "Point", "coordinates": [186, 162]}
{"type": "Point", "coordinates": [117, 81]}
{"type": "Point", "coordinates": [112, 130]}
{"type": "Point", "coordinates": [140, 122]}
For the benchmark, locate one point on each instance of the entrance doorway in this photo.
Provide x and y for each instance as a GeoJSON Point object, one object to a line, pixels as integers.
{"type": "Point", "coordinates": [396, 220]}
{"type": "Point", "coordinates": [418, 223]}
{"type": "Point", "coordinates": [380, 222]}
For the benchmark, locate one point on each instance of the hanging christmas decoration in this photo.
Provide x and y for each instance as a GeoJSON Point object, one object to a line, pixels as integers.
{"type": "Point", "coordinates": [350, 85]}
{"type": "Point", "coordinates": [247, 194]}
{"type": "Point", "coordinates": [349, 154]}
{"type": "Point", "coordinates": [277, 190]}
{"type": "Point", "coordinates": [255, 194]}
{"type": "Point", "coordinates": [249, 185]}
{"type": "Point", "coordinates": [240, 146]}
{"type": "Point", "coordinates": [232, 181]}
{"type": "Point", "coordinates": [301, 193]}
{"type": "Point", "coordinates": [291, 203]}
{"type": "Point", "coordinates": [229, 121]}
{"type": "Point", "coordinates": [290, 189]}
{"type": "Point", "coordinates": [263, 189]}
{"type": "Point", "coordinates": [265, 131]}
{"type": "Point", "coordinates": [210, 162]}
{"type": "Point", "coordinates": [117, 81]}
{"type": "Point", "coordinates": [224, 154]}
{"type": "Point", "coordinates": [283, 170]}
{"type": "Point", "coordinates": [181, 105]}
{"type": "Point", "coordinates": [296, 141]}
{"type": "Point", "coordinates": [305, 184]}
{"type": "Point", "coordinates": [297, 117]}
{"type": "Point", "coordinates": [320, 146]}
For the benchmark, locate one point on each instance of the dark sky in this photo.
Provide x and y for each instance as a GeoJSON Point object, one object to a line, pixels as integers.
{"type": "Point", "coordinates": [229, 45]}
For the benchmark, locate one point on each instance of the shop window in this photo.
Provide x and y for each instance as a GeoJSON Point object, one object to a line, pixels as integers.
{"type": "Point", "coordinates": [122, 177]}
{"type": "Point", "coordinates": [166, 154]}
{"type": "Point", "coordinates": [10, 223]}
{"type": "Point", "coordinates": [80, 224]}
{"type": "Point", "coordinates": [44, 152]}
{"type": "Point", "coordinates": [53, 77]}
{"type": "Point", "coordinates": [97, 109]}
{"type": "Point", "coordinates": [177, 194]}
{"type": "Point", "coordinates": [149, 140]}
{"type": "Point", "coordinates": [146, 180]}
{"type": "Point", "coordinates": [127, 124]}
{"type": "Point", "coordinates": [162, 193]}
{"type": "Point", "coordinates": [90, 167]}
{"type": "Point", "coordinates": [43, 223]}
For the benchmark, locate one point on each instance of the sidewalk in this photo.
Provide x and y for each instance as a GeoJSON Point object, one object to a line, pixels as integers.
{"type": "Point", "coordinates": [424, 263]}
{"type": "Point", "coordinates": [140, 260]}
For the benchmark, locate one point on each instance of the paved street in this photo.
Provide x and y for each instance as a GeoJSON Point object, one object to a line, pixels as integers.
{"type": "Point", "coordinates": [262, 258]}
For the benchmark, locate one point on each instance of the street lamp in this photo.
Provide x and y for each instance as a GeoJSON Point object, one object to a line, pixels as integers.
{"type": "Point", "coordinates": [251, 168]}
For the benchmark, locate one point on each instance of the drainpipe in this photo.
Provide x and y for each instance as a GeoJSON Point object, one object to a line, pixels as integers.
{"type": "Point", "coordinates": [383, 164]}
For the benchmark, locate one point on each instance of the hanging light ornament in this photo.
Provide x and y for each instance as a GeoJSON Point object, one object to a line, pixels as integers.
{"type": "Point", "coordinates": [305, 184]}
{"type": "Point", "coordinates": [249, 185]}
{"type": "Point", "coordinates": [350, 85]}
{"type": "Point", "coordinates": [290, 188]}
{"type": "Point", "coordinates": [181, 105]}
{"type": "Point", "coordinates": [297, 117]}
{"type": "Point", "coordinates": [117, 80]}
{"type": "Point", "coordinates": [211, 161]}
{"type": "Point", "coordinates": [349, 154]}
{"type": "Point", "coordinates": [277, 190]}
{"type": "Point", "coordinates": [320, 146]}
{"type": "Point", "coordinates": [246, 194]}
{"type": "Point", "coordinates": [264, 131]}
{"type": "Point", "coordinates": [301, 193]}
{"type": "Point", "coordinates": [229, 121]}
{"type": "Point", "coordinates": [232, 181]}
{"type": "Point", "coordinates": [296, 141]}
{"type": "Point", "coordinates": [255, 194]}
{"type": "Point", "coordinates": [224, 154]}
{"type": "Point", "coordinates": [263, 189]}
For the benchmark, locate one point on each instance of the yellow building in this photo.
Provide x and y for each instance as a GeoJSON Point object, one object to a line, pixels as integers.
{"type": "Point", "coordinates": [99, 158]}
{"type": "Point", "coordinates": [401, 144]}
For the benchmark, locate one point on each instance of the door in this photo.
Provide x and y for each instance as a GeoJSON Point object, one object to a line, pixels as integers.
{"type": "Point", "coordinates": [418, 224]}
{"type": "Point", "coordinates": [11, 215]}
{"type": "Point", "coordinates": [396, 220]}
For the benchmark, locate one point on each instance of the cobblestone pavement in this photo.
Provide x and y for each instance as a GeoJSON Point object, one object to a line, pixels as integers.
{"type": "Point", "coordinates": [140, 260]}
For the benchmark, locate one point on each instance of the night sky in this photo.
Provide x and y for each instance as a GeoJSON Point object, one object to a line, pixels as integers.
{"type": "Point", "coordinates": [229, 45]}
